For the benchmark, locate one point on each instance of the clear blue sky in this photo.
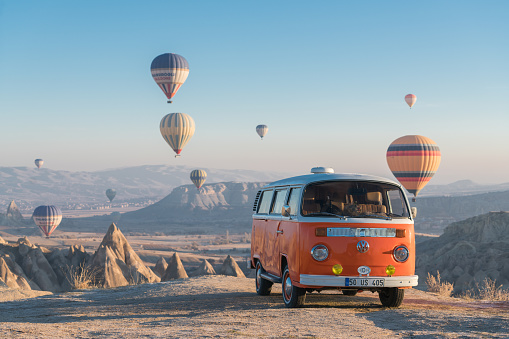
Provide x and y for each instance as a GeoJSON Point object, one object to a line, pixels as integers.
{"type": "Point", "coordinates": [327, 77]}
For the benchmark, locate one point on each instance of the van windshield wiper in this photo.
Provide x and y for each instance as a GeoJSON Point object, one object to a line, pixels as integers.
{"type": "Point", "coordinates": [328, 214]}
{"type": "Point", "coordinates": [385, 217]}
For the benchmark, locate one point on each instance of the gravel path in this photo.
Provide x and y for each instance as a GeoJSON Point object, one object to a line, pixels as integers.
{"type": "Point", "coordinates": [227, 307]}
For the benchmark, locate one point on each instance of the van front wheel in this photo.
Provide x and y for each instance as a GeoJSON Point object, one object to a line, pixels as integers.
{"type": "Point", "coordinates": [391, 297]}
{"type": "Point", "coordinates": [263, 287]}
{"type": "Point", "coordinates": [293, 296]}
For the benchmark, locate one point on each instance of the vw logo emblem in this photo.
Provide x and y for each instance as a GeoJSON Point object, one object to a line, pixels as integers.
{"type": "Point", "coordinates": [362, 246]}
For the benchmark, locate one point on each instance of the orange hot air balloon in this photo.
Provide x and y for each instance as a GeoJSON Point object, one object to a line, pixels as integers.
{"type": "Point", "coordinates": [413, 159]}
{"type": "Point", "coordinates": [410, 99]}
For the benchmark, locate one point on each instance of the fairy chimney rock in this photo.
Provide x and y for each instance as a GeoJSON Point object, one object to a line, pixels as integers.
{"type": "Point", "coordinates": [160, 267]}
{"type": "Point", "coordinates": [175, 269]}
{"type": "Point", "coordinates": [231, 268]}
{"type": "Point", "coordinates": [205, 269]}
{"type": "Point", "coordinates": [116, 262]}
{"type": "Point", "coordinates": [13, 212]}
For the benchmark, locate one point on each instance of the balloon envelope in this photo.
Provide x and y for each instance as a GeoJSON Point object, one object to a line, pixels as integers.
{"type": "Point", "coordinates": [413, 159]}
{"type": "Point", "coordinates": [177, 129]}
{"type": "Point", "coordinates": [262, 130]}
{"type": "Point", "coordinates": [198, 177]}
{"type": "Point", "coordinates": [110, 193]}
{"type": "Point", "coordinates": [39, 162]}
{"type": "Point", "coordinates": [169, 71]}
{"type": "Point", "coordinates": [47, 218]}
{"type": "Point", "coordinates": [410, 99]}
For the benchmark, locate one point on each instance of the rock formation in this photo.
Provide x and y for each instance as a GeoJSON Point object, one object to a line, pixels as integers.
{"type": "Point", "coordinates": [205, 268]}
{"type": "Point", "coordinates": [230, 267]}
{"type": "Point", "coordinates": [468, 252]}
{"type": "Point", "coordinates": [117, 264]}
{"type": "Point", "coordinates": [175, 269]}
{"type": "Point", "coordinates": [2, 241]}
{"type": "Point", "coordinates": [12, 275]}
{"type": "Point", "coordinates": [160, 267]}
{"type": "Point", "coordinates": [13, 213]}
{"type": "Point", "coordinates": [37, 268]}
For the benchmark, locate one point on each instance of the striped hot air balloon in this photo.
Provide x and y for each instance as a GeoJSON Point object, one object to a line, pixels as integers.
{"type": "Point", "coordinates": [39, 162]}
{"type": "Point", "coordinates": [169, 71]}
{"type": "Point", "coordinates": [262, 130]}
{"type": "Point", "coordinates": [413, 159]}
{"type": "Point", "coordinates": [47, 218]}
{"type": "Point", "coordinates": [410, 99]}
{"type": "Point", "coordinates": [177, 129]}
{"type": "Point", "coordinates": [198, 177]}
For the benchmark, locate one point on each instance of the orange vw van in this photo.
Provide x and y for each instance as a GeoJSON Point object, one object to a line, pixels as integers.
{"type": "Point", "coordinates": [350, 232]}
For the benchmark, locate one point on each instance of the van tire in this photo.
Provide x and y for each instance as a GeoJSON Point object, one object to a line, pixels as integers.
{"type": "Point", "coordinates": [263, 287]}
{"type": "Point", "coordinates": [293, 296]}
{"type": "Point", "coordinates": [391, 296]}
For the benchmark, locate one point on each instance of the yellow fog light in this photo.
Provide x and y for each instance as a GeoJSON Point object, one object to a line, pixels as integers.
{"type": "Point", "coordinates": [337, 269]}
{"type": "Point", "coordinates": [390, 270]}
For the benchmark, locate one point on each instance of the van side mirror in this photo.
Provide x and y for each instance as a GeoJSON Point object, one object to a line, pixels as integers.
{"type": "Point", "coordinates": [414, 212]}
{"type": "Point", "coordinates": [285, 211]}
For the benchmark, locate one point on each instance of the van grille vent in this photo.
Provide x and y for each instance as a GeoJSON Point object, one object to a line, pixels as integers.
{"type": "Point", "coordinates": [255, 206]}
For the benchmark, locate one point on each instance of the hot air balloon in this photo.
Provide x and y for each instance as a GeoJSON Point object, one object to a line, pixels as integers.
{"type": "Point", "coordinates": [110, 193]}
{"type": "Point", "coordinates": [198, 177]}
{"type": "Point", "coordinates": [177, 129]}
{"type": "Point", "coordinates": [169, 71]}
{"type": "Point", "coordinates": [410, 99]}
{"type": "Point", "coordinates": [39, 162]}
{"type": "Point", "coordinates": [262, 130]}
{"type": "Point", "coordinates": [47, 218]}
{"type": "Point", "coordinates": [413, 159]}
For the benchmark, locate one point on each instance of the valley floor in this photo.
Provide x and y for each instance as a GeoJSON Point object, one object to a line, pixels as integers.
{"type": "Point", "coordinates": [228, 307]}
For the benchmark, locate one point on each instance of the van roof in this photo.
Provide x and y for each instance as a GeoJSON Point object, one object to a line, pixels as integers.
{"type": "Point", "coordinates": [310, 178]}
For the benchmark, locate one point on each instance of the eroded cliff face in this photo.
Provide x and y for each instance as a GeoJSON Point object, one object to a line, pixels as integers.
{"type": "Point", "coordinates": [468, 252]}
{"type": "Point", "coordinates": [214, 196]}
{"type": "Point", "coordinates": [212, 209]}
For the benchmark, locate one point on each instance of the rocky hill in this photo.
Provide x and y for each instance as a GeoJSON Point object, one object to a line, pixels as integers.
{"type": "Point", "coordinates": [468, 251]}
{"type": "Point", "coordinates": [214, 208]}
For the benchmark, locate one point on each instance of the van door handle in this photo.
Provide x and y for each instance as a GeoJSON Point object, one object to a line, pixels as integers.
{"type": "Point", "coordinates": [279, 232]}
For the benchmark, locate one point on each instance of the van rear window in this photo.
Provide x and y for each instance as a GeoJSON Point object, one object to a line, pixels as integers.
{"type": "Point", "coordinates": [354, 199]}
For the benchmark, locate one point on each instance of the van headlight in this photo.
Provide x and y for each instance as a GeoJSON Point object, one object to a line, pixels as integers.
{"type": "Point", "coordinates": [320, 252]}
{"type": "Point", "coordinates": [401, 253]}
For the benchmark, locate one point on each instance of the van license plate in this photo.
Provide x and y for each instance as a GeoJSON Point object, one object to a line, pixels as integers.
{"type": "Point", "coordinates": [364, 282]}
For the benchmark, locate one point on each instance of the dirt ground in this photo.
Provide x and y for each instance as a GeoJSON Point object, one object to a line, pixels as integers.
{"type": "Point", "coordinates": [228, 307]}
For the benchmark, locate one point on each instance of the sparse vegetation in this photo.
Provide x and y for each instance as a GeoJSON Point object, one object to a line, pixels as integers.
{"type": "Point", "coordinates": [488, 290]}
{"type": "Point", "coordinates": [435, 284]}
{"type": "Point", "coordinates": [80, 277]}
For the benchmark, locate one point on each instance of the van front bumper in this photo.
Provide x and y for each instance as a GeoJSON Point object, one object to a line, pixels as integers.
{"type": "Point", "coordinates": [370, 282]}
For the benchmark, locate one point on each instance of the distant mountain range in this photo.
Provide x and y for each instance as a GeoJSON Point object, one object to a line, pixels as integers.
{"type": "Point", "coordinates": [461, 187]}
{"type": "Point", "coordinates": [30, 187]}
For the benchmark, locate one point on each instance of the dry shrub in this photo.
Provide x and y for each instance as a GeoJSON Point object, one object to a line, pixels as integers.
{"type": "Point", "coordinates": [488, 290]}
{"type": "Point", "coordinates": [436, 285]}
{"type": "Point", "coordinates": [80, 277]}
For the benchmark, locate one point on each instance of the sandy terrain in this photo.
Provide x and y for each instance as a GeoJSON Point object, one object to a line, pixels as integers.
{"type": "Point", "coordinates": [227, 307]}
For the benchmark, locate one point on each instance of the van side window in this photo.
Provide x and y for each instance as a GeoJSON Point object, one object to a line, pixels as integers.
{"type": "Point", "coordinates": [265, 201]}
{"type": "Point", "coordinates": [279, 201]}
{"type": "Point", "coordinates": [293, 201]}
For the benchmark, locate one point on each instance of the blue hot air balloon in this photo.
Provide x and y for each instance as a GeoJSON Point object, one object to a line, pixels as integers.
{"type": "Point", "coordinates": [47, 218]}
{"type": "Point", "coordinates": [169, 71]}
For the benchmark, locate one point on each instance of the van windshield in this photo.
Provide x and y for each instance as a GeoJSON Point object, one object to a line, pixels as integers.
{"type": "Point", "coordinates": [357, 199]}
